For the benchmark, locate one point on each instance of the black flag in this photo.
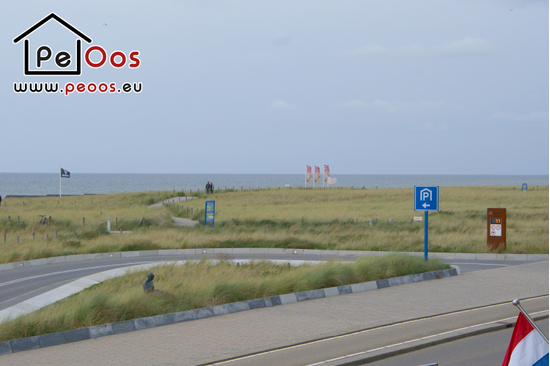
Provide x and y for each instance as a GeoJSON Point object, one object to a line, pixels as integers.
{"type": "Point", "coordinates": [65, 173]}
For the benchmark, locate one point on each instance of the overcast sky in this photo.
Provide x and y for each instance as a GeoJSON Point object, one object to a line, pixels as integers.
{"type": "Point", "coordinates": [366, 87]}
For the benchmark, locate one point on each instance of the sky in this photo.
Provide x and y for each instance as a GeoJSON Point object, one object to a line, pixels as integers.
{"type": "Point", "coordinates": [266, 87]}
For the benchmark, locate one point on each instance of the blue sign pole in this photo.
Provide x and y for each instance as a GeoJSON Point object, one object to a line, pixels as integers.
{"type": "Point", "coordinates": [426, 199]}
{"type": "Point", "coordinates": [426, 236]}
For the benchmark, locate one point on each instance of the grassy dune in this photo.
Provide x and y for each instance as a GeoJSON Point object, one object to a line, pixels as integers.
{"type": "Point", "coordinates": [282, 218]}
{"type": "Point", "coordinates": [197, 285]}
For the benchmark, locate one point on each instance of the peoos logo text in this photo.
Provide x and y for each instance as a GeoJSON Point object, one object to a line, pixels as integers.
{"type": "Point", "coordinates": [65, 63]}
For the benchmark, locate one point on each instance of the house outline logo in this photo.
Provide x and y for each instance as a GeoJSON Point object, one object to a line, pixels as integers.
{"type": "Point", "coordinates": [425, 195]}
{"type": "Point", "coordinates": [64, 23]}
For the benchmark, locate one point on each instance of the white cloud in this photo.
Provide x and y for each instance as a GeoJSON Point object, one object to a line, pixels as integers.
{"type": "Point", "coordinates": [393, 106]}
{"type": "Point", "coordinates": [373, 50]}
{"type": "Point", "coordinates": [281, 105]}
{"type": "Point", "coordinates": [261, 56]}
{"type": "Point", "coordinates": [353, 104]}
{"type": "Point", "coordinates": [282, 41]}
{"type": "Point", "coordinates": [464, 47]}
{"type": "Point", "coordinates": [507, 116]}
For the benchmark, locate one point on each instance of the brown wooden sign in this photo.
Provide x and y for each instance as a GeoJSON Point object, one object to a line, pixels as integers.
{"type": "Point", "coordinates": [496, 228]}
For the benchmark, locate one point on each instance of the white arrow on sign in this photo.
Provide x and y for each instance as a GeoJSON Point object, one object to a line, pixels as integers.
{"type": "Point", "coordinates": [425, 205]}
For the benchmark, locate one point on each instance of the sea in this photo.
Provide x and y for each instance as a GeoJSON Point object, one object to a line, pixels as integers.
{"type": "Point", "coordinates": [43, 184]}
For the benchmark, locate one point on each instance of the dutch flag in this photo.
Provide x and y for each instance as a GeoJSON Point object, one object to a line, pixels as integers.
{"type": "Point", "coordinates": [527, 347]}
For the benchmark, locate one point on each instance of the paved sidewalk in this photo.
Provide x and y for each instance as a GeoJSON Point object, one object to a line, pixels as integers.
{"type": "Point", "coordinates": [211, 339]}
{"type": "Point", "coordinates": [178, 221]}
{"type": "Point", "coordinates": [172, 200]}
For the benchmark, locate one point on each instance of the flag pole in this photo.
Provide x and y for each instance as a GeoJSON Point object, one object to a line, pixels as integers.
{"type": "Point", "coordinates": [305, 179]}
{"type": "Point", "coordinates": [518, 305]}
{"type": "Point", "coordinates": [60, 181]}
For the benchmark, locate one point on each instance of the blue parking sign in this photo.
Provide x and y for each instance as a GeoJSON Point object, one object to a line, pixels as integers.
{"type": "Point", "coordinates": [426, 198]}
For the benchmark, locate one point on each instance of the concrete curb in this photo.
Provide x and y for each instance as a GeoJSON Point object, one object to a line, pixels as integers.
{"type": "Point", "coordinates": [53, 339]}
{"type": "Point", "coordinates": [235, 251]}
{"type": "Point", "coordinates": [421, 344]}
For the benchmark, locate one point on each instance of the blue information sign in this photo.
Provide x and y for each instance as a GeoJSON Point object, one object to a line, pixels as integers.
{"type": "Point", "coordinates": [426, 198]}
{"type": "Point", "coordinates": [209, 210]}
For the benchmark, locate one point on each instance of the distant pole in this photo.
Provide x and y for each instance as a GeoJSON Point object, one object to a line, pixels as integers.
{"type": "Point", "coordinates": [60, 181]}
{"type": "Point", "coordinates": [426, 236]}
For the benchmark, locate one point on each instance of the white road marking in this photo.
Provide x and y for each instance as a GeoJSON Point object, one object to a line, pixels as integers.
{"type": "Point", "coordinates": [382, 327]}
{"type": "Point", "coordinates": [418, 339]}
{"type": "Point", "coordinates": [484, 264]}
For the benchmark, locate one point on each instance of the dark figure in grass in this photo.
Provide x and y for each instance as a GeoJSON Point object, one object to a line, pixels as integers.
{"type": "Point", "coordinates": [211, 187]}
{"type": "Point", "coordinates": [207, 187]}
{"type": "Point", "coordinates": [148, 285]}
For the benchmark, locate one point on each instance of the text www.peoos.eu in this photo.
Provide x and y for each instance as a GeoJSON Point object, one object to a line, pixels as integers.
{"type": "Point", "coordinates": [69, 88]}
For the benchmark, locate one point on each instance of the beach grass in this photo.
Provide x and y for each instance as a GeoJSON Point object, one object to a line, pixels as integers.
{"type": "Point", "coordinates": [337, 219]}
{"type": "Point", "coordinates": [199, 284]}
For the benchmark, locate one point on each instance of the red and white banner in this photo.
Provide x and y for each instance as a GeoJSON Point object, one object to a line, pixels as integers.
{"type": "Point", "coordinates": [308, 174]}
{"type": "Point", "coordinates": [317, 174]}
{"type": "Point", "coordinates": [327, 173]}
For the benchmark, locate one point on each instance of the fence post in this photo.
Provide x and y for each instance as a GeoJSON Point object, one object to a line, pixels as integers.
{"type": "Point", "coordinates": [17, 240]}
{"type": "Point", "coordinates": [46, 238]}
{"type": "Point", "coordinates": [116, 223]}
{"type": "Point", "coordinates": [74, 231]}
{"type": "Point", "coordinates": [83, 222]}
{"type": "Point", "coordinates": [56, 235]}
{"type": "Point", "coordinates": [33, 235]}
{"type": "Point", "coordinates": [4, 238]}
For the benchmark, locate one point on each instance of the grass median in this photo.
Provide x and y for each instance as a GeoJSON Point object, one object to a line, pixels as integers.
{"type": "Point", "coordinates": [197, 285]}
{"type": "Point", "coordinates": [338, 219]}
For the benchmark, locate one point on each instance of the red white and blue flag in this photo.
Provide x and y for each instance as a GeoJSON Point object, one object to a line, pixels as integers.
{"type": "Point", "coordinates": [527, 347]}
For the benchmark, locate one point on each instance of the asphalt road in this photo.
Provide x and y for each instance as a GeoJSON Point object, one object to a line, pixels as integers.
{"type": "Point", "coordinates": [483, 349]}
{"type": "Point", "coordinates": [351, 327]}
{"type": "Point", "coordinates": [368, 343]}
{"type": "Point", "coordinates": [26, 282]}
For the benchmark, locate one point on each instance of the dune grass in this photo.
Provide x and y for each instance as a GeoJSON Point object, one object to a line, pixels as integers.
{"type": "Point", "coordinates": [281, 218]}
{"type": "Point", "coordinates": [197, 285]}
